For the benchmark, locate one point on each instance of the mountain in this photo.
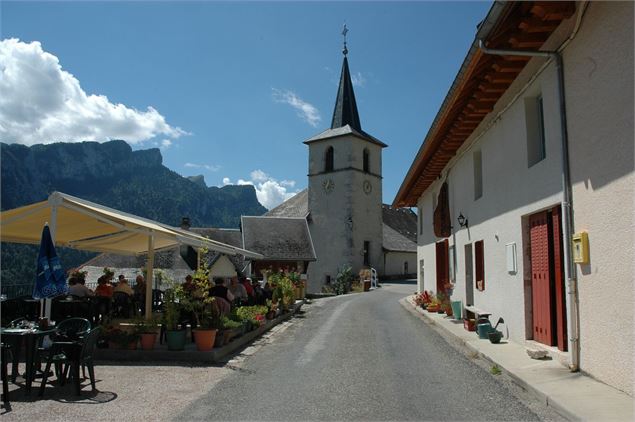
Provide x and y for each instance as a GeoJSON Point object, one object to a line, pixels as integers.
{"type": "Point", "coordinates": [114, 175]}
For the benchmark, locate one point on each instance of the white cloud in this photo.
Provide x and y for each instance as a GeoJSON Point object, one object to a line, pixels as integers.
{"type": "Point", "coordinates": [269, 191]}
{"type": "Point", "coordinates": [165, 144]}
{"type": "Point", "coordinates": [42, 103]}
{"type": "Point", "coordinates": [208, 167]}
{"type": "Point", "coordinates": [306, 111]}
{"type": "Point", "coordinates": [358, 79]}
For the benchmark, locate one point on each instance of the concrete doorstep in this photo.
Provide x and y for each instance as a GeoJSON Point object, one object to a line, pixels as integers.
{"type": "Point", "coordinates": [572, 394]}
{"type": "Point", "coordinates": [161, 354]}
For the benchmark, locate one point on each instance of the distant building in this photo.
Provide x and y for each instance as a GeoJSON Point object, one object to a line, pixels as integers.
{"type": "Point", "coordinates": [497, 172]}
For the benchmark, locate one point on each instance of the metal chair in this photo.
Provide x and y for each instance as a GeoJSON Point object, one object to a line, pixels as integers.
{"type": "Point", "coordinates": [4, 358]}
{"type": "Point", "coordinates": [72, 355]}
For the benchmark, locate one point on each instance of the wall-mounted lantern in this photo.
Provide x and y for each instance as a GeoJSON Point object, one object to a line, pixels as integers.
{"type": "Point", "coordinates": [462, 220]}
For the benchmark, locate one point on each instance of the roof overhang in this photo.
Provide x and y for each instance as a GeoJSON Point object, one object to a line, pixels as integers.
{"type": "Point", "coordinates": [480, 82]}
{"type": "Point", "coordinates": [344, 131]}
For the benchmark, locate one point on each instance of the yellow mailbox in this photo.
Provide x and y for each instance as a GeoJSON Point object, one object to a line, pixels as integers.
{"type": "Point", "coordinates": [581, 248]}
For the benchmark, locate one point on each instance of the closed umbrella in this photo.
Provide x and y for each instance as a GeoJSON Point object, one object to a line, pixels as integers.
{"type": "Point", "coordinates": [50, 280]}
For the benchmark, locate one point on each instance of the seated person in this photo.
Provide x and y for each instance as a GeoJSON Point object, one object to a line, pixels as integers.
{"type": "Point", "coordinates": [189, 285]}
{"type": "Point", "coordinates": [123, 286]}
{"type": "Point", "coordinates": [219, 290]}
{"type": "Point", "coordinates": [238, 290]}
{"type": "Point", "coordinates": [77, 287]}
{"type": "Point", "coordinates": [259, 293]}
{"type": "Point", "coordinates": [139, 287]}
{"type": "Point", "coordinates": [139, 293]}
{"type": "Point", "coordinates": [104, 288]}
{"type": "Point", "coordinates": [246, 282]}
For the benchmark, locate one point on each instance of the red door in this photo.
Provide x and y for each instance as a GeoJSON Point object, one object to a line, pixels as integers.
{"type": "Point", "coordinates": [541, 276]}
{"type": "Point", "coordinates": [443, 264]}
{"type": "Point", "coordinates": [559, 289]}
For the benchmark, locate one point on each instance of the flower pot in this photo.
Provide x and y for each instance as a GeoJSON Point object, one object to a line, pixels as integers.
{"type": "Point", "coordinates": [469, 324]}
{"type": "Point", "coordinates": [271, 315]}
{"type": "Point", "coordinates": [204, 339]}
{"type": "Point", "coordinates": [219, 340]}
{"type": "Point", "coordinates": [366, 285]}
{"type": "Point", "coordinates": [448, 310]}
{"type": "Point", "coordinates": [432, 308]}
{"type": "Point", "coordinates": [175, 339]}
{"type": "Point", "coordinates": [227, 336]}
{"type": "Point", "coordinates": [457, 309]}
{"type": "Point", "coordinates": [148, 340]}
{"type": "Point", "coordinates": [495, 336]}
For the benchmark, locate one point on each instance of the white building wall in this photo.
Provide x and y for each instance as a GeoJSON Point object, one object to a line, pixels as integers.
{"type": "Point", "coordinates": [223, 267]}
{"type": "Point", "coordinates": [599, 90]}
{"type": "Point", "coordinates": [394, 263]}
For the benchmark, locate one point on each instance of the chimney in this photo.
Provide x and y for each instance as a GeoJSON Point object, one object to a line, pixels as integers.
{"type": "Point", "coordinates": [185, 223]}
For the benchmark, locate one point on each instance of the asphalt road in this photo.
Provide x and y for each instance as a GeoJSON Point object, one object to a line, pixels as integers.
{"type": "Point", "coordinates": [359, 357]}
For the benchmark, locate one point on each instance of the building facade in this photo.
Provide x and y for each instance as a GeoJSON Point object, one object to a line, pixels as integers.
{"type": "Point", "coordinates": [499, 148]}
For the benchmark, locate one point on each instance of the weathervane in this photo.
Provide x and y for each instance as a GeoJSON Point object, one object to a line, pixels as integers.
{"type": "Point", "coordinates": [344, 31]}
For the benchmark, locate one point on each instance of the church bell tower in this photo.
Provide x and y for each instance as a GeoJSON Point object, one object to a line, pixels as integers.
{"type": "Point", "coordinates": [345, 191]}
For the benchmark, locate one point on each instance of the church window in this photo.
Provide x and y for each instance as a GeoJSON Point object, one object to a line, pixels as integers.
{"type": "Point", "coordinates": [366, 164]}
{"type": "Point", "coordinates": [328, 159]}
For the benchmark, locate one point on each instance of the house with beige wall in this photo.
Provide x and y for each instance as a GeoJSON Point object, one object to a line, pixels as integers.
{"type": "Point", "coordinates": [535, 154]}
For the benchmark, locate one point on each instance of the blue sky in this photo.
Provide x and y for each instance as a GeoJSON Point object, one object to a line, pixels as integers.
{"type": "Point", "coordinates": [234, 88]}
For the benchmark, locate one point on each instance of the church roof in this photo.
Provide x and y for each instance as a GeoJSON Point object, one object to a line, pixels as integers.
{"type": "Point", "coordinates": [345, 119]}
{"type": "Point", "coordinates": [296, 206]}
{"type": "Point", "coordinates": [343, 131]}
{"type": "Point", "coordinates": [345, 112]}
{"type": "Point", "coordinates": [394, 241]}
{"type": "Point", "coordinates": [403, 220]}
{"type": "Point", "coordinates": [279, 238]}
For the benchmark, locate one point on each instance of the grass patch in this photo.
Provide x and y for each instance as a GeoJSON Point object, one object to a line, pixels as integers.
{"type": "Point", "coordinates": [495, 370]}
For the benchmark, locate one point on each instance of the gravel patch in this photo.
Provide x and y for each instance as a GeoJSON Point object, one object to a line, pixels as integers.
{"type": "Point", "coordinates": [134, 392]}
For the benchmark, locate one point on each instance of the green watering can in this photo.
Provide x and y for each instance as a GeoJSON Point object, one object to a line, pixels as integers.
{"type": "Point", "coordinates": [484, 327]}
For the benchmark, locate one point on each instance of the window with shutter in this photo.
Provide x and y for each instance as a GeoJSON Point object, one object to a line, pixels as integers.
{"type": "Point", "coordinates": [479, 258]}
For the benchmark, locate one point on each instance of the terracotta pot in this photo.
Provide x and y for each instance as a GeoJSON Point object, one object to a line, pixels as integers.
{"type": "Point", "coordinates": [448, 310]}
{"type": "Point", "coordinates": [204, 339]}
{"type": "Point", "coordinates": [432, 308]}
{"type": "Point", "coordinates": [148, 341]}
{"type": "Point", "coordinates": [366, 285]}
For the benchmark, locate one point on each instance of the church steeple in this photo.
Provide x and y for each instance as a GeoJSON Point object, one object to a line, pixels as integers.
{"type": "Point", "coordinates": [345, 112]}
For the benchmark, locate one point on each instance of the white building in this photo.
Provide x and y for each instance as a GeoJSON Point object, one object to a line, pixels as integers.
{"type": "Point", "coordinates": [499, 147]}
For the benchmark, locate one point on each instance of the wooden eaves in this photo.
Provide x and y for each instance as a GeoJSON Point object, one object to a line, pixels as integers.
{"type": "Point", "coordinates": [482, 80]}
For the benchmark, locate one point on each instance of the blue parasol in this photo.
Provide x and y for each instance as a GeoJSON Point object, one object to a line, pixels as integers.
{"type": "Point", "coordinates": [50, 280]}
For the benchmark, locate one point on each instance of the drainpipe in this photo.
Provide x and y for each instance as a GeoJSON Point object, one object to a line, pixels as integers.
{"type": "Point", "coordinates": [569, 267]}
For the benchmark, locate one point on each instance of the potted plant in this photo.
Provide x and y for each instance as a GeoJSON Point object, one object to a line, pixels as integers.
{"type": "Point", "coordinates": [203, 308]}
{"type": "Point", "coordinates": [343, 280]}
{"type": "Point", "coordinates": [284, 292]}
{"type": "Point", "coordinates": [147, 331]}
{"type": "Point", "coordinates": [121, 339]}
{"type": "Point", "coordinates": [172, 309]}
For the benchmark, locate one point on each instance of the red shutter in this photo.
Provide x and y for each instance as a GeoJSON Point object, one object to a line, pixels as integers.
{"type": "Point", "coordinates": [479, 262]}
{"type": "Point", "coordinates": [541, 278]}
{"type": "Point", "coordinates": [443, 267]}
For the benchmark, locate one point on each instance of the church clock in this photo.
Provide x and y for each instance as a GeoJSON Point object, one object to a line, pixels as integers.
{"type": "Point", "coordinates": [368, 187]}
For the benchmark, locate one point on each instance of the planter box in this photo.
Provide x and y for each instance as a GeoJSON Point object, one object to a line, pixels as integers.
{"type": "Point", "coordinates": [469, 324]}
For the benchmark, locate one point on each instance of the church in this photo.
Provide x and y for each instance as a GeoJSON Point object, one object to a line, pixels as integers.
{"type": "Point", "coordinates": [338, 221]}
{"type": "Point", "coordinates": [342, 205]}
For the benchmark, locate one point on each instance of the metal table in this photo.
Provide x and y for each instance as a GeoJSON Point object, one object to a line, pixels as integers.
{"type": "Point", "coordinates": [14, 336]}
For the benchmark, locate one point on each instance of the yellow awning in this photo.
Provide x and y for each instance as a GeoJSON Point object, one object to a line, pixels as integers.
{"type": "Point", "coordinates": [81, 224]}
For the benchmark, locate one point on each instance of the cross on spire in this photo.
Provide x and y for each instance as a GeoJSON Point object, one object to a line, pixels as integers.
{"type": "Point", "coordinates": [344, 31]}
